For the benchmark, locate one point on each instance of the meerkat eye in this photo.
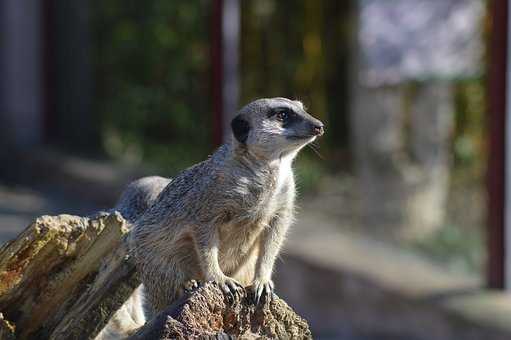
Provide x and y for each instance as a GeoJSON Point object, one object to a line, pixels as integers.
{"type": "Point", "coordinates": [283, 115]}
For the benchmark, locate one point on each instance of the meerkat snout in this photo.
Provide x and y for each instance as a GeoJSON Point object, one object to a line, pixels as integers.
{"type": "Point", "coordinates": [318, 129]}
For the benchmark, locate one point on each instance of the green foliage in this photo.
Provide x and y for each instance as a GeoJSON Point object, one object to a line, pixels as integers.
{"type": "Point", "coordinates": [309, 171]}
{"type": "Point", "coordinates": [469, 136]}
{"type": "Point", "coordinates": [151, 61]}
{"type": "Point", "coordinates": [152, 71]}
{"type": "Point", "coordinates": [299, 49]}
{"type": "Point", "coordinates": [456, 247]}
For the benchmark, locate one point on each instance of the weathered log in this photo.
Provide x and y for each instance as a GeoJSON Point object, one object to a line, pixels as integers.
{"type": "Point", "coordinates": [205, 314]}
{"type": "Point", "coordinates": [64, 276]}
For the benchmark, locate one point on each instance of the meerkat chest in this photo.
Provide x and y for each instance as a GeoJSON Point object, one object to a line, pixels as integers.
{"type": "Point", "coordinates": [274, 195]}
{"type": "Point", "coordinates": [258, 207]}
{"type": "Point", "coordinates": [279, 193]}
{"type": "Point", "coordinates": [259, 195]}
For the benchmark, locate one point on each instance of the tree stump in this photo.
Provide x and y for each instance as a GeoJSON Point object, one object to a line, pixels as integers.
{"type": "Point", "coordinates": [65, 276]}
{"type": "Point", "coordinates": [205, 314]}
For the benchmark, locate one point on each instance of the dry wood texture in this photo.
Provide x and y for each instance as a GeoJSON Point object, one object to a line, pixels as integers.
{"type": "Point", "coordinates": [206, 315]}
{"type": "Point", "coordinates": [64, 276]}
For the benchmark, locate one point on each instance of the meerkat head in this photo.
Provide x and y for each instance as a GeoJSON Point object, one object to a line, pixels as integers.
{"type": "Point", "coordinates": [275, 127]}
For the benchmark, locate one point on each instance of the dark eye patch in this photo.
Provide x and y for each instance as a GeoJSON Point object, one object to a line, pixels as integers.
{"type": "Point", "coordinates": [273, 112]}
{"type": "Point", "coordinates": [285, 115]}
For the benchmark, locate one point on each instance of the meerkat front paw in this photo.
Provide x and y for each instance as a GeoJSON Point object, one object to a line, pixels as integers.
{"type": "Point", "coordinates": [231, 288]}
{"type": "Point", "coordinates": [262, 290]}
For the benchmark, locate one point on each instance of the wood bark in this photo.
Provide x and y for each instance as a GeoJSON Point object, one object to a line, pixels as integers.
{"type": "Point", "coordinates": [65, 276]}
{"type": "Point", "coordinates": [205, 314]}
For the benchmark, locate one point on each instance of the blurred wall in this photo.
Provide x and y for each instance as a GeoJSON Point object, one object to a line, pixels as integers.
{"type": "Point", "coordinates": [72, 121]}
{"type": "Point", "coordinates": [45, 88]}
{"type": "Point", "coordinates": [21, 93]}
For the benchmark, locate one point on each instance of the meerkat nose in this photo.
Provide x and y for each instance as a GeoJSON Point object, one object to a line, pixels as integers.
{"type": "Point", "coordinates": [319, 129]}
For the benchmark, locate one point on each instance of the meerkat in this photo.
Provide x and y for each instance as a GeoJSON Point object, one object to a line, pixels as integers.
{"type": "Point", "coordinates": [253, 210]}
{"type": "Point", "coordinates": [225, 219]}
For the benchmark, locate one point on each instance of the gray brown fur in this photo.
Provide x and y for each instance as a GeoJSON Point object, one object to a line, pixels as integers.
{"type": "Point", "coordinates": [139, 195]}
{"type": "Point", "coordinates": [225, 219]}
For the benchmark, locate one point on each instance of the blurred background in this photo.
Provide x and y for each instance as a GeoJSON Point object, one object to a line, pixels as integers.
{"type": "Point", "coordinates": [401, 219]}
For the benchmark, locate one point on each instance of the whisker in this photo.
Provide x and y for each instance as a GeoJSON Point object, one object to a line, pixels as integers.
{"type": "Point", "coordinates": [315, 148]}
{"type": "Point", "coordinates": [315, 143]}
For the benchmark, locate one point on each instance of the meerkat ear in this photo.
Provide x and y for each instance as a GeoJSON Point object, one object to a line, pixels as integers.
{"type": "Point", "coordinates": [240, 129]}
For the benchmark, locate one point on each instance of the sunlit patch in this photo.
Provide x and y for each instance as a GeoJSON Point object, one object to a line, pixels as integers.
{"type": "Point", "coordinates": [300, 105]}
{"type": "Point", "coordinates": [272, 126]}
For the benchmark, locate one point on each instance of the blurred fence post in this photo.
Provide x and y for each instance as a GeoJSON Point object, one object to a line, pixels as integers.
{"type": "Point", "coordinates": [76, 123]}
{"type": "Point", "coordinates": [21, 101]}
{"type": "Point", "coordinates": [507, 152]}
{"type": "Point", "coordinates": [225, 60]}
{"type": "Point", "coordinates": [497, 140]}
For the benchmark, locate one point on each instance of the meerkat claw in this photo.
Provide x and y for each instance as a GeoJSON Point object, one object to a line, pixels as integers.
{"type": "Point", "coordinates": [240, 292]}
{"type": "Point", "coordinates": [227, 292]}
{"type": "Point", "coordinates": [263, 292]}
{"type": "Point", "coordinates": [191, 285]}
{"type": "Point", "coordinates": [269, 294]}
{"type": "Point", "coordinates": [231, 289]}
{"type": "Point", "coordinates": [258, 294]}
